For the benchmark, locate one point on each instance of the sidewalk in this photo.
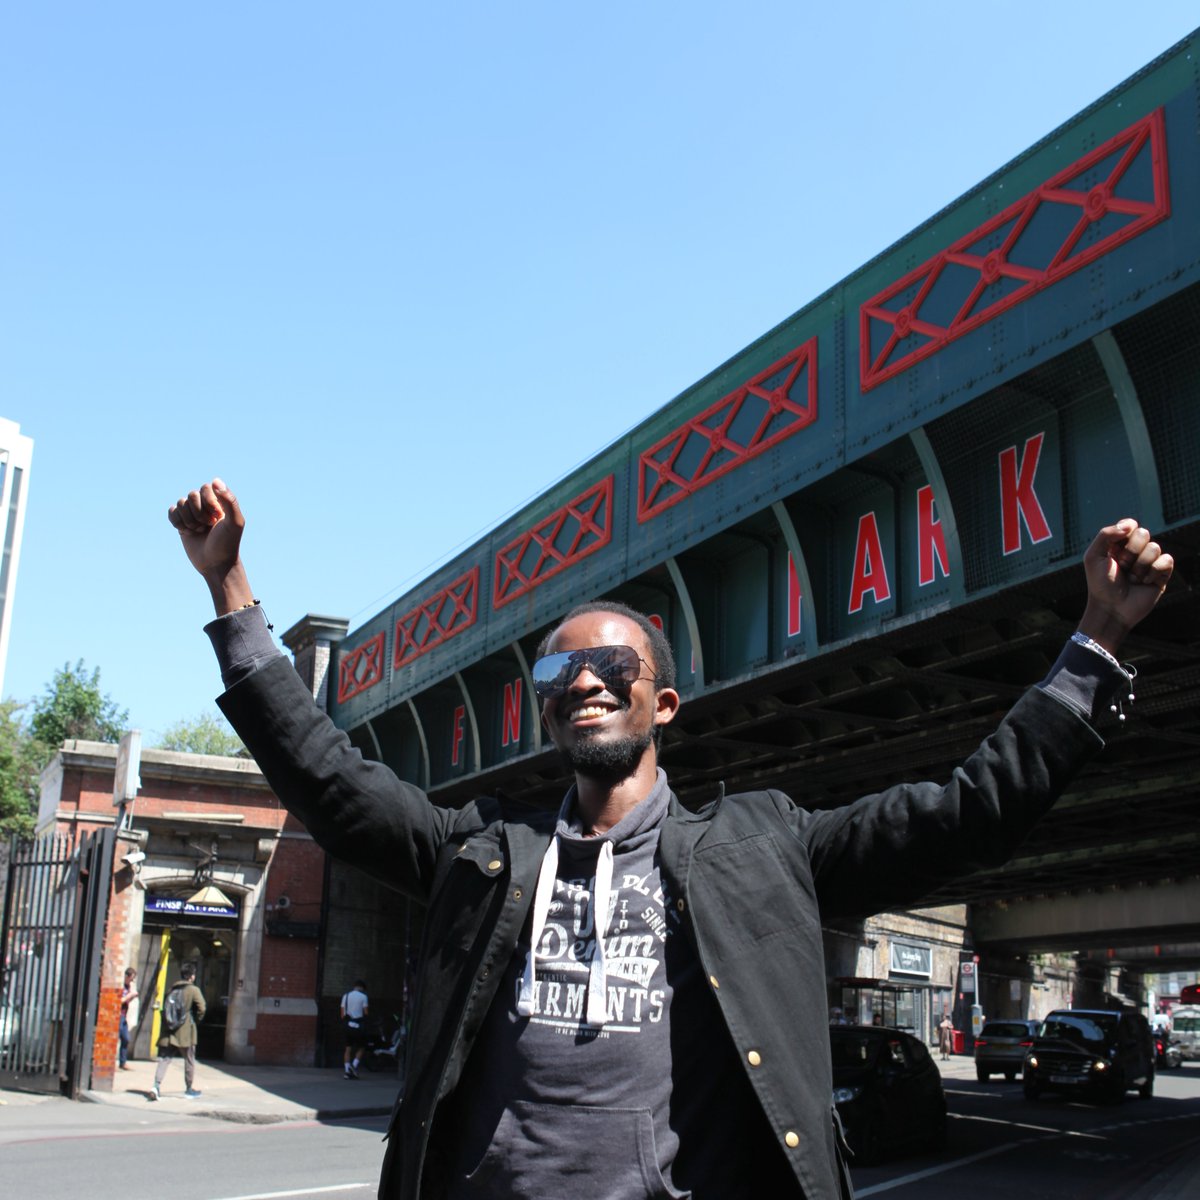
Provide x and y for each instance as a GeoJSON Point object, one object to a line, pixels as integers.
{"type": "Point", "coordinates": [254, 1095]}
{"type": "Point", "coordinates": [958, 1066]}
{"type": "Point", "coordinates": [265, 1095]}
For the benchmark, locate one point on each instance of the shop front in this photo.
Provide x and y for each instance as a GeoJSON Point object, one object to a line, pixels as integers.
{"type": "Point", "coordinates": [176, 930]}
{"type": "Point", "coordinates": [907, 999]}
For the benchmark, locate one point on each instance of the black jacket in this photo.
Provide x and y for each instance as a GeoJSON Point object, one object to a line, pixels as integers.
{"type": "Point", "coordinates": [754, 875]}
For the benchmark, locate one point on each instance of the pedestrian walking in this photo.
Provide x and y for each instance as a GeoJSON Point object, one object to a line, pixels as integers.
{"type": "Point", "coordinates": [355, 1007]}
{"type": "Point", "coordinates": [183, 1007]}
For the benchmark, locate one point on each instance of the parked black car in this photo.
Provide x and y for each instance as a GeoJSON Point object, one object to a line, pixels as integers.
{"type": "Point", "coordinates": [1002, 1046]}
{"type": "Point", "coordinates": [1097, 1053]}
{"type": "Point", "coordinates": [887, 1090]}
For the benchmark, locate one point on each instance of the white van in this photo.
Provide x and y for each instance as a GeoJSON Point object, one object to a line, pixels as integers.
{"type": "Point", "coordinates": [1185, 1031]}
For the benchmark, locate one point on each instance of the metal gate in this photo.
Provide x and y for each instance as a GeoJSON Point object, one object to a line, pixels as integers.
{"type": "Point", "coordinates": [51, 941]}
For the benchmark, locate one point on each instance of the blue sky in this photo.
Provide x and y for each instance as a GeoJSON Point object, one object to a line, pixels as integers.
{"type": "Point", "coordinates": [391, 270]}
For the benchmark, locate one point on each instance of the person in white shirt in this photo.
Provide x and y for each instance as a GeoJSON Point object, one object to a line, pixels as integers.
{"type": "Point", "coordinates": [355, 1007]}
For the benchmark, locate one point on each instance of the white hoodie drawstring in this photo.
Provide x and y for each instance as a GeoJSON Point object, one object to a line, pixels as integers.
{"type": "Point", "coordinates": [541, 906]}
{"type": "Point", "coordinates": [597, 1003]}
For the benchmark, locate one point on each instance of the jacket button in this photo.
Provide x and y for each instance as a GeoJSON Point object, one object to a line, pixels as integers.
{"type": "Point", "coordinates": [494, 865]}
{"type": "Point", "coordinates": [516, 893]}
{"type": "Point", "coordinates": [713, 980]}
{"type": "Point", "coordinates": [792, 1139]}
{"type": "Point", "coordinates": [754, 1058]}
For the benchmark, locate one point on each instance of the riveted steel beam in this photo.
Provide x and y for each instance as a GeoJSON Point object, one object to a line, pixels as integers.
{"type": "Point", "coordinates": [531, 696]}
{"type": "Point", "coordinates": [808, 611]}
{"type": "Point", "coordinates": [933, 475]}
{"type": "Point", "coordinates": [689, 619]}
{"type": "Point", "coordinates": [473, 724]}
{"type": "Point", "coordinates": [426, 775]}
{"type": "Point", "coordinates": [1133, 420]}
{"type": "Point", "coordinates": [374, 741]}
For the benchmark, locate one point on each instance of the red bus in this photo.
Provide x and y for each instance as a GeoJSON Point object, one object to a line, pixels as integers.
{"type": "Point", "coordinates": [1190, 994]}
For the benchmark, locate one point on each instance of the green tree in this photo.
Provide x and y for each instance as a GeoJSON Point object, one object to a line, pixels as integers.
{"type": "Point", "coordinates": [21, 761]}
{"type": "Point", "coordinates": [73, 706]}
{"type": "Point", "coordinates": [206, 733]}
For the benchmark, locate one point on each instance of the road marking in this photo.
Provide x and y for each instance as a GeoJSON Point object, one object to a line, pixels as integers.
{"type": "Point", "coordinates": [1096, 1156]}
{"type": "Point", "coordinates": [941, 1168]}
{"type": "Point", "coordinates": [309, 1191]}
{"type": "Point", "coordinates": [1005, 1121]}
{"type": "Point", "coordinates": [1047, 1135]}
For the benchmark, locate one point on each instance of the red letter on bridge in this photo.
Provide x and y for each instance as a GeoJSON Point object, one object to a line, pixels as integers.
{"type": "Point", "coordinates": [794, 598]}
{"type": "Point", "coordinates": [1018, 500]}
{"type": "Point", "coordinates": [931, 539]}
{"type": "Point", "coordinates": [511, 731]}
{"type": "Point", "coordinates": [456, 734]}
{"type": "Point", "coordinates": [870, 571]}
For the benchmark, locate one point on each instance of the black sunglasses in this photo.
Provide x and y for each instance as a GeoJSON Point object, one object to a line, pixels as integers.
{"type": "Point", "coordinates": [615, 666]}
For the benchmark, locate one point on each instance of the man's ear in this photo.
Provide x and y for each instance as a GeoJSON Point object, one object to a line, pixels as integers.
{"type": "Point", "coordinates": [666, 705]}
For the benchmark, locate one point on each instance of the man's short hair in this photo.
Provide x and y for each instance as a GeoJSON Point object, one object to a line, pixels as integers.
{"type": "Point", "coordinates": [660, 648]}
{"type": "Point", "coordinates": [187, 971]}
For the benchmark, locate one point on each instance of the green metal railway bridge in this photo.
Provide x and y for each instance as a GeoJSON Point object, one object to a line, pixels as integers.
{"type": "Point", "coordinates": [862, 537]}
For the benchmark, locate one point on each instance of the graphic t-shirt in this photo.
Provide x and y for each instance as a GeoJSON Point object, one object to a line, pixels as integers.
{"type": "Point", "coordinates": [550, 1104]}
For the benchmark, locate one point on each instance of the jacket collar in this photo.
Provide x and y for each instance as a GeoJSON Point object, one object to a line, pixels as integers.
{"type": "Point", "coordinates": [704, 813]}
{"type": "Point", "coordinates": [680, 834]}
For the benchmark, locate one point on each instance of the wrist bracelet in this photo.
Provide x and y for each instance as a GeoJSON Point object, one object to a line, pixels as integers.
{"type": "Point", "coordinates": [256, 604]}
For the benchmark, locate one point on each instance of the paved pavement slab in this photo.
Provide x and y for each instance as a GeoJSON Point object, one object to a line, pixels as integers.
{"type": "Point", "coordinates": [264, 1095]}
{"type": "Point", "coordinates": [248, 1094]}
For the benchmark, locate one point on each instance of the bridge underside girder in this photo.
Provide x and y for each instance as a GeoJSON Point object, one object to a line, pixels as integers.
{"type": "Point", "coordinates": [914, 702]}
{"type": "Point", "coordinates": [1147, 923]}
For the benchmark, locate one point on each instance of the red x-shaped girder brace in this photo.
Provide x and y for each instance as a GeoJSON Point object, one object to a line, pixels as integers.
{"type": "Point", "coordinates": [362, 668]}
{"type": "Point", "coordinates": [1093, 203]}
{"type": "Point", "coordinates": [661, 483]}
{"type": "Point", "coordinates": [591, 516]}
{"type": "Point", "coordinates": [462, 597]}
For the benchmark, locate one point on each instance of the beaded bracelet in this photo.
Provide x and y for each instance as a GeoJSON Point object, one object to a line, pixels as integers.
{"type": "Point", "coordinates": [257, 604]}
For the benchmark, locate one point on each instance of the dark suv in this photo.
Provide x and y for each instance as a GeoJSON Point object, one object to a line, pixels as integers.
{"type": "Point", "coordinates": [1100, 1053]}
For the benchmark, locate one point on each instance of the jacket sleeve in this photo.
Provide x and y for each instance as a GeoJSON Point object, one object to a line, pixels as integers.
{"type": "Point", "coordinates": [894, 847]}
{"type": "Point", "coordinates": [357, 810]}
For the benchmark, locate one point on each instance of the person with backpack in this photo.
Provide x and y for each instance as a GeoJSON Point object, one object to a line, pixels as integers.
{"type": "Point", "coordinates": [182, 1007]}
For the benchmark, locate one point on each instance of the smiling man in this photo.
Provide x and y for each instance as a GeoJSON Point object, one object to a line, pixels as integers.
{"type": "Point", "coordinates": [626, 999]}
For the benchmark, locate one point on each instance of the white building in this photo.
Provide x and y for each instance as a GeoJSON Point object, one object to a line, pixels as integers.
{"type": "Point", "coordinates": [16, 452]}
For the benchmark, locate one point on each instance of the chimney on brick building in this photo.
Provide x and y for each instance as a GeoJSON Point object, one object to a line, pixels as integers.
{"type": "Point", "coordinates": [312, 640]}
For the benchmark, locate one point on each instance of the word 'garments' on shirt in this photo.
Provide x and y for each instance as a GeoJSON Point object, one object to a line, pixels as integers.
{"type": "Point", "coordinates": [638, 926]}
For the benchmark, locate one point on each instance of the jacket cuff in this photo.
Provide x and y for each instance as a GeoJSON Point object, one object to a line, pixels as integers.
{"type": "Point", "coordinates": [1086, 682]}
{"type": "Point", "coordinates": [243, 644]}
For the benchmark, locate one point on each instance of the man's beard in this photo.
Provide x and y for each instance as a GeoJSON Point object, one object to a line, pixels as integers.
{"type": "Point", "coordinates": [607, 761]}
